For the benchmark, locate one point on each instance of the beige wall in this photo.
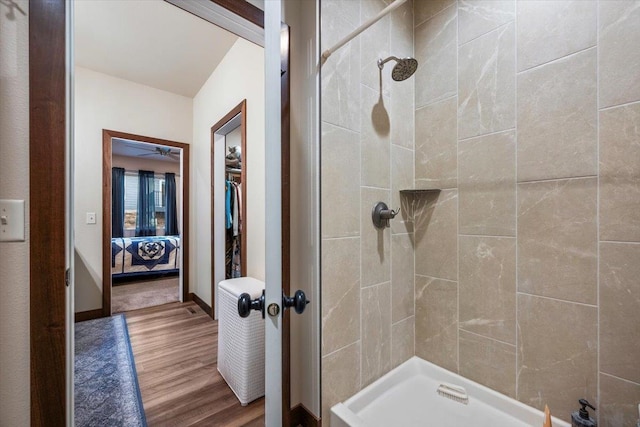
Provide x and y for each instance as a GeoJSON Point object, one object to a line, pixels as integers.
{"type": "Point", "coordinates": [14, 184]}
{"type": "Point", "coordinates": [106, 102]}
{"type": "Point", "coordinates": [526, 262]}
{"type": "Point", "coordinates": [240, 75]}
{"type": "Point", "coordinates": [366, 157]}
{"type": "Point", "coordinates": [527, 118]}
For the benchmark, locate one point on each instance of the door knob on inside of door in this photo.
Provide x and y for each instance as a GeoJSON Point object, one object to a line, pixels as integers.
{"type": "Point", "coordinates": [299, 301]}
{"type": "Point", "coordinates": [246, 304]}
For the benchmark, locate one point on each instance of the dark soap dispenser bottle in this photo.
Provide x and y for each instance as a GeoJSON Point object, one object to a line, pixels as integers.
{"type": "Point", "coordinates": [581, 417]}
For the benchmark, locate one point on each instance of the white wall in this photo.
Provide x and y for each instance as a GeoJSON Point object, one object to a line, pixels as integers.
{"type": "Point", "coordinates": [105, 102]}
{"type": "Point", "coordinates": [14, 184]}
{"type": "Point", "coordinates": [239, 76]}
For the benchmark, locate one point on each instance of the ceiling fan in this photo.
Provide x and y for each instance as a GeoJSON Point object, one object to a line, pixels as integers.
{"type": "Point", "coordinates": [163, 152]}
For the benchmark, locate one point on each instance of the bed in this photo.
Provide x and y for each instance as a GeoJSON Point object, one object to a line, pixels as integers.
{"type": "Point", "coordinates": [141, 256]}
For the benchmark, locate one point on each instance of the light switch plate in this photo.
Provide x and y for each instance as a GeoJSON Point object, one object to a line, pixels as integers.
{"type": "Point", "coordinates": [11, 220]}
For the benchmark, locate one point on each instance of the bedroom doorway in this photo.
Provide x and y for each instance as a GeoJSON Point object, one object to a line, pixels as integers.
{"type": "Point", "coordinates": [145, 222]}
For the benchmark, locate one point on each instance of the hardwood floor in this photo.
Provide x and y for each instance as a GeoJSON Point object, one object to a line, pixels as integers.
{"type": "Point", "coordinates": [175, 349]}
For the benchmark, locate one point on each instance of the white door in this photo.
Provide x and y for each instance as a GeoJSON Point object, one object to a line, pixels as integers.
{"type": "Point", "coordinates": [273, 216]}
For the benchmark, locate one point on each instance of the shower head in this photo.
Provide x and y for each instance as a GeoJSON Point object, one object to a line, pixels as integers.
{"type": "Point", "coordinates": [403, 69]}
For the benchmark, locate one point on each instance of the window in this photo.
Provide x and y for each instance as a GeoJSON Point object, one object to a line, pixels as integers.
{"type": "Point", "coordinates": [131, 200]}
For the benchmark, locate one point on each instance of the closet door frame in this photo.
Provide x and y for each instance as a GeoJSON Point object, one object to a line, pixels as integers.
{"type": "Point", "coordinates": [241, 108]}
{"type": "Point", "coordinates": [107, 137]}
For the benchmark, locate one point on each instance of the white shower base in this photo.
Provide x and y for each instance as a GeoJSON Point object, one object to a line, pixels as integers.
{"type": "Point", "coordinates": [407, 396]}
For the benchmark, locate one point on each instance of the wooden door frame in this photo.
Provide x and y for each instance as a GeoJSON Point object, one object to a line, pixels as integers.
{"type": "Point", "coordinates": [241, 108]}
{"type": "Point", "coordinates": [107, 162]}
{"type": "Point", "coordinates": [47, 265]}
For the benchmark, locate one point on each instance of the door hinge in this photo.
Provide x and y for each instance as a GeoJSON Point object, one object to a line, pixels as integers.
{"type": "Point", "coordinates": [67, 277]}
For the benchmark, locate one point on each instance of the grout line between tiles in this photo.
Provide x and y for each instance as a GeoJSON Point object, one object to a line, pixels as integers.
{"type": "Point", "coordinates": [534, 181]}
{"type": "Point", "coordinates": [486, 337]}
{"type": "Point", "coordinates": [343, 347]}
{"type": "Point", "coordinates": [620, 378]}
{"type": "Point", "coordinates": [437, 101]}
{"type": "Point", "coordinates": [484, 34]}
{"type": "Point", "coordinates": [342, 128]}
{"type": "Point", "coordinates": [558, 299]}
{"type": "Point", "coordinates": [424, 276]}
{"type": "Point", "coordinates": [612, 107]}
{"type": "Point", "coordinates": [486, 134]}
{"type": "Point", "coordinates": [341, 238]}
{"type": "Point", "coordinates": [619, 242]}
{"type": "Point", "coordinates": [562, 58]}
{"type": "Point", "coordinates": [434, 15]}
{"type": "Point", "coordinates": [493, 236]}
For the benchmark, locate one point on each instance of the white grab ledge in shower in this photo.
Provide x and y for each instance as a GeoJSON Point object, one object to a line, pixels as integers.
{"type": "Point", "coordinates": [408, 396]}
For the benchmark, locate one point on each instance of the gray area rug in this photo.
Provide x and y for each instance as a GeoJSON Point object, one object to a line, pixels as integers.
{"type": "Point", "coordinates": [132, 296]}
{"type": "Point", "coordinates": [105, 380]}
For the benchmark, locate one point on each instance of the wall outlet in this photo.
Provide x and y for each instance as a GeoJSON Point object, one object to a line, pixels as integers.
{"type": "Point", "coordinates": [91, 217]}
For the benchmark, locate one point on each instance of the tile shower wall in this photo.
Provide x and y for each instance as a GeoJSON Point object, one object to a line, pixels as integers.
{"type": "Point", "coordinates": [527, 116]}
{"type": "Point", "coordinates": [367, 156]}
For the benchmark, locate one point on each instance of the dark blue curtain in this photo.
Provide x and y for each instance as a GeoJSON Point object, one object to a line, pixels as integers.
{"type": "Point", "coordinates": [146, 217]}
{"type": "Point", "coordinates": [171, 212]}
{"type": "Point", "coordinates": [117, 202]}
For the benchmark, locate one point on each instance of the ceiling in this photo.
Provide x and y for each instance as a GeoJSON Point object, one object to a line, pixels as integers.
{"type": "Point", "coordinates": [129, 148]}
{"type": "Point", "coordinates": [150, 42]}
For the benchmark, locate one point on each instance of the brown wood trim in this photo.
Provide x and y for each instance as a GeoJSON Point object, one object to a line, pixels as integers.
{"type": "Point", "coordinates": [301, 416]}
{"type": "Point", "coordinates": [81, 316]}
{"type": "Point", "coordinates": [47, 136]}
{"type": "Point", "coordinates": [203, 305]}
{"type": "Point", "coordinates": [286, 224]}
{"type": "Point", "coordinates": [241, 108]}
{"type": "Point", "coordinates": [107, 135]}
{"type": "Point", "coordinates": [244, 9]}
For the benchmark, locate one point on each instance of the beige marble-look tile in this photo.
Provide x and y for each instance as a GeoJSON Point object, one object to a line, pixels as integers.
{"type": "Point", "coordinates": [340, 181]}
{"type": "Point", "coordinates": [486, 83]}
{"type": "Point", "coordinates": [340, 293]}
{"type": "Point", "coordinates": [375, 146]}
{"type": "Point", "coordinates": [619, 173]}
{"type": "Point", "coordinates": [340, 377]}
{"type": "Point", "coordinates": [489, 362]}
{"type": "Point", "coordinates": [425, 9]}
{"type": "Point", "coordinates": [487, 185]}
{"type": "Point", "coordinates": [549, 30]}
{"type": "Point", "coordinates": [436, 326]}
{"type": "Point", "coordinates": [349, 10]}
{"type": "Point", "coordinates": [402, 341]}
{"type": "Point", "coordinates": [375, 243]}
{"type": "Point", "coordinates": [375, 44]}
{"type": "Point", "coordinates": [436, 235]}
{"type": "Point", "coordinates": [619, 56]}
{"type": "Point", "coordinates": [478, 17]}
{"type": "Point", "coordinates": [618, 402]}
{"type": "Point", "coordinates": [436, 52]}
{"type": "Point", "coordinates": [376, 332]}
{"type": "Point", "coordinates": [620, 310]}
{"type": "Point", "coordinates": [340, 81]}
{"type": "Point", "coordinates": [488, 286]}
{"type": "Point", "coordinates": [557, 353]}
{"type": "Point", "coordinates": [403, 113]}
{"type": "Point", "coordinates": [401, 179]}
{"type": "Point", "coordinates": [557, 239]}
{"type": "Point", "coordinates": [402, 277]}
{"type": "Point", "coordinates": [436, 145]}
{"type": "Point", "coordinates": [557, 118]}
{"type": "Point", "coordinates": [402, 31]}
